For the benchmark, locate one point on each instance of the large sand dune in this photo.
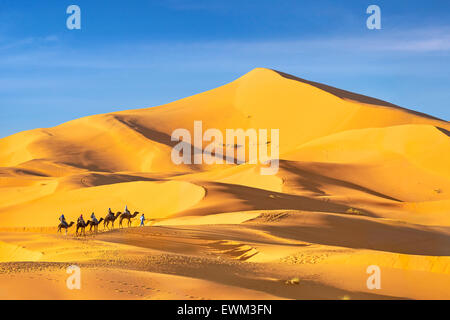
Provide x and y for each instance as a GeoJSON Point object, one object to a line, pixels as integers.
{"type": "Point", "coordinates": [361, 181]}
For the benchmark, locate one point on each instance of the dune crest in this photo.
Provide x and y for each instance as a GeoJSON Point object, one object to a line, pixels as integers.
{"type": "Point", "coordinates": [360, 182]}
{"type": "Point", "coordinates": [379, 151]}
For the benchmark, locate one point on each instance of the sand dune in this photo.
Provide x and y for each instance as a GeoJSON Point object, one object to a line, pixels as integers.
{"type": "Point", "coordinates": [361, 181]}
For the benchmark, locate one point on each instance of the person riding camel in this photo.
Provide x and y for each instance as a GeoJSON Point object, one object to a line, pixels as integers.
{"type": "Point", "coordinates": [94, 219]}
{"type": "Point", "coordinates": [81, 220]}
{"type": "Point", "coordinates": [62, 219]}
{"type": "Point", "coordinates": [126, 209]}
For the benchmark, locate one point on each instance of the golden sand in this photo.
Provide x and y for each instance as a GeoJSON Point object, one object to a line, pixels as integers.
{"type": "Point", "coordinates": [361, 182]}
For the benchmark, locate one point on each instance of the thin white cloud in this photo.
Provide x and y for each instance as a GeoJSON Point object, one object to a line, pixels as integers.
{"type": "Point", "coordinates": [6, 44]}
{"type": "Point", "coordinates": [418, 41]}
{"type": "Point", "coordinates": [316, 53]}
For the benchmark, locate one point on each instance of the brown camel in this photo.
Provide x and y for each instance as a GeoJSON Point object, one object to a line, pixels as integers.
{"type": "Point", "coordinates": [65, 226]}
{"type": "Point", "coordinates": [82, 226]}
{"type": "Point", "coordinates": [110, 218]}
{"type": "Point", "coordinates": [95, 225]}
{"type": "Point", "coordinates": [129, 216]}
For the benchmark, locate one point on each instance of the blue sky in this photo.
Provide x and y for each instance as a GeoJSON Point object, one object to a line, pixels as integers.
{"type": "Point", "coordinates": [132, 54]}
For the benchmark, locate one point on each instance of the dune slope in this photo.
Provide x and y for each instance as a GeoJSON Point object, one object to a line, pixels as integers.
{"type": "Point", "coordinates": [361, 181]}
{"type": "Point", "coordinates": [382, 152]}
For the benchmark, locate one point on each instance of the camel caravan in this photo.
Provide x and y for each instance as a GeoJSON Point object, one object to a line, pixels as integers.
{"type": "Point", "coordinates": [93, 222]}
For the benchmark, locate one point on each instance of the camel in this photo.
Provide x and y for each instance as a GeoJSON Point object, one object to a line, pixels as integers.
{"type": "Point", "coordinates": [129, 216]}
{"type": "Point", "coordinates": [82, 227]}
{"type": "Point", "coordinates": [95, 225]}
{"type": "Point", "coordinates": [110, 218]}
{"type": "Point", "coordinates": [65, 226]}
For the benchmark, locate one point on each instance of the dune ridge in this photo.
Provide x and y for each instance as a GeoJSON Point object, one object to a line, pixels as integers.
{"type": "Point", "coordinates": [318, 124]}
{"type": "Point", "coordinates": [360, 181]}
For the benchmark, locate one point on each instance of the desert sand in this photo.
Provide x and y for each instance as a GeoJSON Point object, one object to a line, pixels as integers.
{"type": "Point", "coordinates": [360, 182]}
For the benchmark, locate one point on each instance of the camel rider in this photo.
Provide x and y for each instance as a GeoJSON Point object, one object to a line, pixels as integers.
{"type": "Point", "coordinates": [81, 220]}
{"type": "Point", "coordinates": [110, 213]}
{"type": "Point", "coordinates": [63, 220]}
{"type": "Point", "coordinates": [142, 220]}
{"type": "Point", "coordinates": [126, 209]}
{"type": "Point", "coordinates": [94, 219]}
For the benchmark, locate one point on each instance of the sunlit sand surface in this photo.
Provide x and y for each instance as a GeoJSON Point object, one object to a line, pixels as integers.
{"type": "Point", "coordinates": [360, 182]}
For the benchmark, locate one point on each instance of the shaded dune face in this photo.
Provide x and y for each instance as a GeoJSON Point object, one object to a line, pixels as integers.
{"type": "Point", "coordinates": [344, 94]}
{"type": "Point", "coordinates": [340, 152]}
